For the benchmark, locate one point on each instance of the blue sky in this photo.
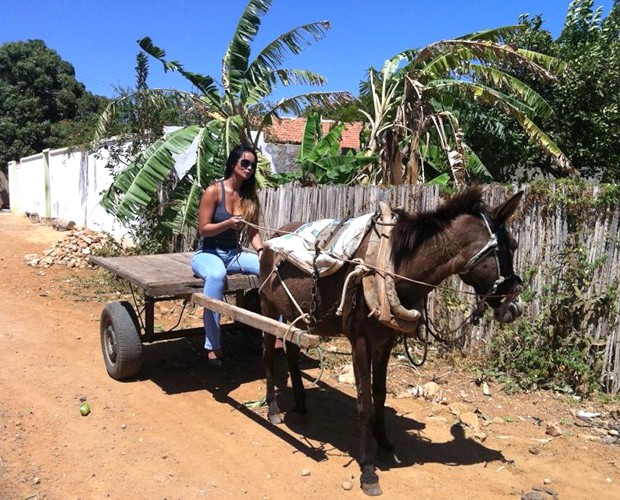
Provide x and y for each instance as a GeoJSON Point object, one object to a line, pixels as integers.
{"type": "Point", "coordinates": [98, 37]}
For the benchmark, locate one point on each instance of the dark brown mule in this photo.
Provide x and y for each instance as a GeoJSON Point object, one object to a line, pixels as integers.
{"type": "Point", "coordinates": [462, 237]}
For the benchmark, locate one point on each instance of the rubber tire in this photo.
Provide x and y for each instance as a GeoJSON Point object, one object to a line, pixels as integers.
{"type": "Point", "coordinates": [120, 340]}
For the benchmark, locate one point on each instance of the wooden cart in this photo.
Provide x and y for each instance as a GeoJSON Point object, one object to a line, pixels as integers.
{"type": "Point", "coordinates": [125, 326]}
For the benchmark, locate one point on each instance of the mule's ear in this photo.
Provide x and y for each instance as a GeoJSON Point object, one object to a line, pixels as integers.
{"type": "Point", "coordinates": [502, 213]}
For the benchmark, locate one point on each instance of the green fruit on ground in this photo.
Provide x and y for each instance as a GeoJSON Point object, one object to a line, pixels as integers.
{"type": "Point", "coordinates": [85, 409]}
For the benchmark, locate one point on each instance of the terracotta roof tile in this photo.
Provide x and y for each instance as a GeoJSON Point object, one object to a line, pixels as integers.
{"type": "Point", "coordinates": [290, 131]}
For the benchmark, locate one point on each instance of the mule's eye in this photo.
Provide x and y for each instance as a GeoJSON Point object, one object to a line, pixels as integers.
{"type": "Point", "coordinates": [512, 243]}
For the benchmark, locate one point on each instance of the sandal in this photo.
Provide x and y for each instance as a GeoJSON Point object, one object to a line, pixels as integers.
{"type": "Point", "coordinates": [217, 360]}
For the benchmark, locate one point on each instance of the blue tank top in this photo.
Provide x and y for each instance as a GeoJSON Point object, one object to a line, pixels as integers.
{"type": "Point", "coordinates": [226, 240]}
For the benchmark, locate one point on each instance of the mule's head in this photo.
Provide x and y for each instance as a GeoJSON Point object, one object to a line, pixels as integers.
{"type": "Point", "coordinates": [490, 269]}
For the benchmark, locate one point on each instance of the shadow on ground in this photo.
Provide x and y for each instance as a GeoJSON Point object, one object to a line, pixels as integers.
{"type": "Point", "coordinates": [330, 428]}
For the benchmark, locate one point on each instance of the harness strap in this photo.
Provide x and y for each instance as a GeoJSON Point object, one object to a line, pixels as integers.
{"type": "Point", "coordinates": [378, 255]}
{"type": "Point", "coordinates": [491, 246]}
{"type": "Point", "coordinates": [482, 253]}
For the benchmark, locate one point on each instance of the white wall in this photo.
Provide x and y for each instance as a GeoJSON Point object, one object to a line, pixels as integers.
{"type": "Point", "coordinates": [30, 186]}
{"type": "Point", "coordinates": [64, 184]}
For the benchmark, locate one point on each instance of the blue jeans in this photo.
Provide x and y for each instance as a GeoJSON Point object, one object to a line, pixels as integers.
{"type": "Point", "coordinates": [213, 266]}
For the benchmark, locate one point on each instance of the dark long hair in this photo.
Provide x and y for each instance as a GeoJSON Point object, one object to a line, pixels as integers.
{"type": "Point", "coordinates": [249, 198]}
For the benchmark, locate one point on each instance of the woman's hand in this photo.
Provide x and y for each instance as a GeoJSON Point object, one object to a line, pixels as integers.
{"type": "Point", "coordinates": [236, 222]}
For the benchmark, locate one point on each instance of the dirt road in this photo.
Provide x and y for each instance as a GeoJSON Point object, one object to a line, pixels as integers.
{"type": "Point", "coordinates": [180, 430]}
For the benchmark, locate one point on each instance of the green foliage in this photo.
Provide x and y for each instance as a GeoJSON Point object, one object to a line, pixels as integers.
{"type": "Point", "coordinates": [319, 159]}
{"type": "Point", "coordinates": [575, 198]}
{"type": "Point", "coordinates": [41, 104]}
{"type": "Point", "coordinates": [557, 348]}
{"type": "Point", "coordinates": [473, 79]}
{"type": "Point", "coordinates": [229, 112]}
{"type": "Point", "coordinates": [585, 98]}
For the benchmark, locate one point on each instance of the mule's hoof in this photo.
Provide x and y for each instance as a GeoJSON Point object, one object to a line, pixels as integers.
{"type": "Point", "coordinates": [372, 490]}
{"type": "Point", "coordinates": [370, 481]}
{"type": "Point", "coordinates": [276, 418]}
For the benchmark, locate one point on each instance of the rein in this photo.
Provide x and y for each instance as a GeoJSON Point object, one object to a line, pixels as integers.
{"type": "Point", "coordinates": [479, 256]}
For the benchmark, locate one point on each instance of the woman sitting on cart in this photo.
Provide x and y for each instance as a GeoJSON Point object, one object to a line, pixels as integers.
{"type": "Point", "coordinates": [224, 208]}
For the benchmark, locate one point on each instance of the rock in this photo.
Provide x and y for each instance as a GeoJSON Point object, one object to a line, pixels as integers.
{"type": "Point", "coordinates": [540, 493]}
{"type": "Point", "coordinates": [431, 389]}
{"type": "Point", "coordinates": [533, 495]}
{"type": "Point", "coordinates": [347, 486]}
{"type": "Point", "coordinates": [470, 419]}
{"type": "Point", "coordinates": [457, 408]}
{"type": "Point", "coordinates": [416, 391]}
{"type": "Point", "coordinates": [70, 251]}
{"type": "Point", "coordinates": [63, 225]}
{"type": "Point", "coordinates": [553, 429]}
{"type": "Point", "coordinates": [485, 389]}
{"type": "Point", "coordinates": [305, 472]}
{"type": "Point", "coordinates": [346, 375]}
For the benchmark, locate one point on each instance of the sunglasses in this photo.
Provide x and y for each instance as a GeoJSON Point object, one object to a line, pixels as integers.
{"type": "Point", "coordinates": [247, 163]}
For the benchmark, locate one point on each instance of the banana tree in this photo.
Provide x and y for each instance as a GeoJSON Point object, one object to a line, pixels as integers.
{"type": "Point", "coordinates": [428, 88]}
{"type": "Point", "coordinates": [234, 111]}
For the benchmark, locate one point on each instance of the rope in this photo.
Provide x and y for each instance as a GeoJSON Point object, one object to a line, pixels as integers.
{"type": "Point", "coordinates": [290, 296]}
{"type": "Point", "coordinates": [360, 269]}
{"type": "Point", "coordinates": [375, 268]}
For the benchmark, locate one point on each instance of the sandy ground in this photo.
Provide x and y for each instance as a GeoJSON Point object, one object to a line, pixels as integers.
{"type": "Point", "coordinates": [181, 429]}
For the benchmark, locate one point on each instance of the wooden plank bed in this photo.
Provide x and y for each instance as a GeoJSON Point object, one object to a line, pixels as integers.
{"type": "Point", "coordinates": [167, 274]}
{"type": "Point", "coordinates": [167, 277]}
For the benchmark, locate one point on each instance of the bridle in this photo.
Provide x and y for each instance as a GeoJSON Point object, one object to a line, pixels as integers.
{"type": "Point", "coordinates": [490, 246]}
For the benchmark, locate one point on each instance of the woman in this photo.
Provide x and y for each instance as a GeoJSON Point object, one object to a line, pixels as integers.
{"type": "Point", "coordinates": [224, 208]}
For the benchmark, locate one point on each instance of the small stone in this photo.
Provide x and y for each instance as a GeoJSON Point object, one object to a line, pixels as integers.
{"type": "Point", "coordinates": [305, 472]}
{"type": "Point", "coordinates": [532, 495]}
{"type": "Point", "coordinates": [347, 486]}
{"type": "Point", "coordinates": [470, 419]}
{"type": "Point", "coordinates": [547, 481]}
{"type": "Point", "coordinates": [430, 390]}
{"type": "Point", "coordinates": [485, 389]}
{"type": "Point", "coordinates": [534, 451]}
{"type": "Point", "coordinates": [553, 429]}
{"type": "Point", "coordinates": [347, 376]}
{"type": "Point", "coordinates": [36, 480]}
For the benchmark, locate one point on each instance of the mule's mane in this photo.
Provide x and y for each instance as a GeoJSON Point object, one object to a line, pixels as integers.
{"type": "Point", "coordinates": [411, 230]}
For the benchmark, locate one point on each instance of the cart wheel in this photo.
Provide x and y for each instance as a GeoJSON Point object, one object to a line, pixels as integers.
{"type": "Point", "coordinates": [120, 340]}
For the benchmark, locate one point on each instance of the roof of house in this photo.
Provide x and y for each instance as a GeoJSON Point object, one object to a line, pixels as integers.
{"type": "Point", "coordinates": [290, 131]}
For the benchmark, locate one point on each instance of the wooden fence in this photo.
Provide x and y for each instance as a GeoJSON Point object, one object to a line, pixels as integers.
{"type": "Point", "coordinates": [543, 234]}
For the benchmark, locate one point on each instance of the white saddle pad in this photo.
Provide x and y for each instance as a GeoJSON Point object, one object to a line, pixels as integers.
{"type": "Point", "coordinates": [298, 247]}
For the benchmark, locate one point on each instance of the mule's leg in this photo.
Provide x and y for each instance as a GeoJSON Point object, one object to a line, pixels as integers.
{"type": "Point", "coordinates": [361, 367]}
{"type": "Point", "coordinates": [299, 393]}
{"type": "Point", "coordinates": [380, 360]}
{"type": "Point", "coordinates": [269, 349]}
